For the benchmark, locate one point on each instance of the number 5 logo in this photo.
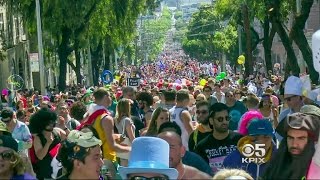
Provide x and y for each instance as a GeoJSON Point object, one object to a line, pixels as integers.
{"type": "Point", "coordinates": [259, 150]}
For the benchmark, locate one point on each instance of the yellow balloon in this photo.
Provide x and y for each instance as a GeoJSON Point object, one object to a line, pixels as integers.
{"type": "Point", "coordinates": [203, 82]}
{"type": "Point", "coordinates": [117, 78]}
{"type": "Point", "coordinates": [241, 59]}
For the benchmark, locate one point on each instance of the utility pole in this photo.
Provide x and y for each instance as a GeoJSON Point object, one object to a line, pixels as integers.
{"type": "Point", "coordinates": [40, 49]}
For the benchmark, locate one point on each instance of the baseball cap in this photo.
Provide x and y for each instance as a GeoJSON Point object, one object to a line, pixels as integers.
{"type": "Point", "coordinates": [9, 142]}
{"type": "Point", "coordinates": [260, 127]}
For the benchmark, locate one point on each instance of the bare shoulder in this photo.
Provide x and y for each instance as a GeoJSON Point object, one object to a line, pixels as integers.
{"type": "Point", "coordinates": [107, 119]}
{"type": "Point", "coordinates": [193, 173]}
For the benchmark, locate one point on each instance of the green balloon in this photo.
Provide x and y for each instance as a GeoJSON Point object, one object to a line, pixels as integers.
{"type": "Point", "coordinates": [222, 75]}
{"type": "Point", "coordinates": [218, 78]}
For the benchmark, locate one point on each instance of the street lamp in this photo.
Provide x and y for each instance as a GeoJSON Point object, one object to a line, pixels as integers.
{"type": "Point", "coordinates": [40, 49]}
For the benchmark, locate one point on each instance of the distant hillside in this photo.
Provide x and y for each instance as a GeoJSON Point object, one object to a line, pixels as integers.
{"type": "Point", "coordinates": [174, 3]}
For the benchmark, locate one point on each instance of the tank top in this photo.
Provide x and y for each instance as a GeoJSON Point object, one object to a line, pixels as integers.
{"type": "Point", "coordinates": [175, 116]}
{"type": "Point", "coordinates": [106, 150]}
{"type": "Point", "coordinates": [43, 168]}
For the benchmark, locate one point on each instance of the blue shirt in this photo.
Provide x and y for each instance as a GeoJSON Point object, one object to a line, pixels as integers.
{"type": "Point", "coordinates": [196, 161]}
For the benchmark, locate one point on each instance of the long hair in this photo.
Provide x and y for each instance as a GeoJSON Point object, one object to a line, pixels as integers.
{"type": "Point", "coordinates": [152, 129]}
{"type": "Point", "coordinates": [18, 164]}
{"type": "Point", "coordinates": [123, 109]}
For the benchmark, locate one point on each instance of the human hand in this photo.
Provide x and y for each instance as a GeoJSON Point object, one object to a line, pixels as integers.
{"type": "Point", "coordinates": [49, 137]}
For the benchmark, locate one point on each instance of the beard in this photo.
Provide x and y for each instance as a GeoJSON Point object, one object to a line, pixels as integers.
{"type": "Point", "coordinates": [221, 129]}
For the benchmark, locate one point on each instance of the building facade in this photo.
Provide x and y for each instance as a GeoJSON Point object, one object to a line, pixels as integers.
{"type": "Point", "coordinates": [15, 48]}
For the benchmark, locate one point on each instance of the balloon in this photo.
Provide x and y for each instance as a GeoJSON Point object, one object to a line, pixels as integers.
{"type": "Point", "coordinates": [203, 82]}
{"type": "Point", "coordinates": [316, 50]}
{"type": "Point", "coordinates": [117, 78]}
{"type": "Point", "coordinates": [218, 78]}
{"type": "Point", "coordinates": [241, 59]}
{"type": "Point", "coordinates": [222, 75]}
{"type": "Point", "coordinates": [104, 75]}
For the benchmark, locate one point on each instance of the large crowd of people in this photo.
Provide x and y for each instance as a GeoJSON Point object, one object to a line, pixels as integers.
{"type": "Point", "coordinates": [180, 122]}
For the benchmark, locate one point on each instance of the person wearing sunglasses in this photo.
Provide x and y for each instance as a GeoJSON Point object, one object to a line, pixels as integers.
{"type": "Point", "coordinates": [236, 110]}
{"type": "Point", "coordinates": [46, 141]}
{"type": "Point", "coordinates": [215, 147]}
{"type": "Point", "coordinates": [11, 164]}
{"type": "Point", "coordinates": [18, 129]}
{"type": "Point", "coordinates": [203, 129]}
{"type": "Point", "coordinates": [149, 160]}
{"type": "Point", "coordinates": [292, 97]}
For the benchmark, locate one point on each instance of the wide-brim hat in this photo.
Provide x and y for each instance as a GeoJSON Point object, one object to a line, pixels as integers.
{"type": "Point", "coordinates": [149, 155]}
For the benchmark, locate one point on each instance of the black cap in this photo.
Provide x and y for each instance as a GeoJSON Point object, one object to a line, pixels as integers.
{"type": "Point", "coordinates": [9, 142]}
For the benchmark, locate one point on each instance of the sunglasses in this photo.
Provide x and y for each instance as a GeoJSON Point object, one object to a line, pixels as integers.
{"type": "Point", "coordinates": [289, 98]}
{"type": "Point", "coordinates": [7, 155]}
{"type": "Point", "coordinates": [220, 119]}
{"type": "Point", "coordinates": [150, 178]}
{"type": "Point", "coordinates": [201, 112]}
{"type": "Point", "coordinates": [6, 120]}
{"type": "Point", "coordinates": [230, 96]}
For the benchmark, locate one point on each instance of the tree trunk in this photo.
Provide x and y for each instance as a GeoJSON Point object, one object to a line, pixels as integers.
{"type": "Point", "coordinates": [78, 65]}
{"type": "Point", "coordinates": [95, 63]}
{"type": "Point", "coordinates": [63, 53]}
{"type": "Point", "coordinates": [267, 43]}
{"type": "Point", "coordinates": [298, 36]}
{"type": "Point", "coordinates": [246, 23]}
{"type": "Point", "coordinates": [291, 57]}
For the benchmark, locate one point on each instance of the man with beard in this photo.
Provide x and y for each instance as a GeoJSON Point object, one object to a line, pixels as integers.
{"type": "Point", "coordinates": [203, 129]}
{"type": "Point", "coordinates": [145, 102]}
{"type": "Point", "coordinates": [177, 151]}
{"type": "Point", "coordinates": [214, 148]}
{"type": "Point", "coordinates": [300, 132]}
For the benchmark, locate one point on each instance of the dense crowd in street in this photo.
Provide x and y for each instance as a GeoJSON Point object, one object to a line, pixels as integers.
{"type": "Point", "coordinates": [184, 120]}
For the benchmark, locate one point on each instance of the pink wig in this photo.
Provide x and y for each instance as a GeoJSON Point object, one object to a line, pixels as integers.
{"type": "Point", "coordinates": [245, 120]}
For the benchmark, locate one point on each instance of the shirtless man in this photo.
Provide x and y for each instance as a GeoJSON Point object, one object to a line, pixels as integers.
{"type": "Point", "coordinates": [177, 151]}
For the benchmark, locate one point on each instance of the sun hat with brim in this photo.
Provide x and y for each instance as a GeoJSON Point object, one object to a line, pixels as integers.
{"type": "Point", "coordinates": [9, 142]}
{"type": "Point", "coordinates": [4, 129]}
{"type": "Point", "coordinates": [260, 127]}
{"type": "Point", "coordinates": [149, 155]}
{"type": "Point", "coordinates": [78, 143]}
{"type": "Point", "coordinates": [83, 139]}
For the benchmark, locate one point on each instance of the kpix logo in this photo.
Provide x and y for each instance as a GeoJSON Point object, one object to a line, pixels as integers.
{"type": "Point", "coordinates": [253, 153]}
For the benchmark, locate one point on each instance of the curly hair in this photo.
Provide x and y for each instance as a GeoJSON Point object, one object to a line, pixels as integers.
{"type": "Point", "coordinates": [145, 96]}
{"type": "Point", "coordinates": [41, 119]}
{"type": "Point", "coordinates": [78, 109]}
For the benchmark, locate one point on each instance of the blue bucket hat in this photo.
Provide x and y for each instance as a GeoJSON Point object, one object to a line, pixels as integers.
{"type": "Point", "coordinates": [149, 155]}
{"type": "Point", "coordinates": [260, 127]}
